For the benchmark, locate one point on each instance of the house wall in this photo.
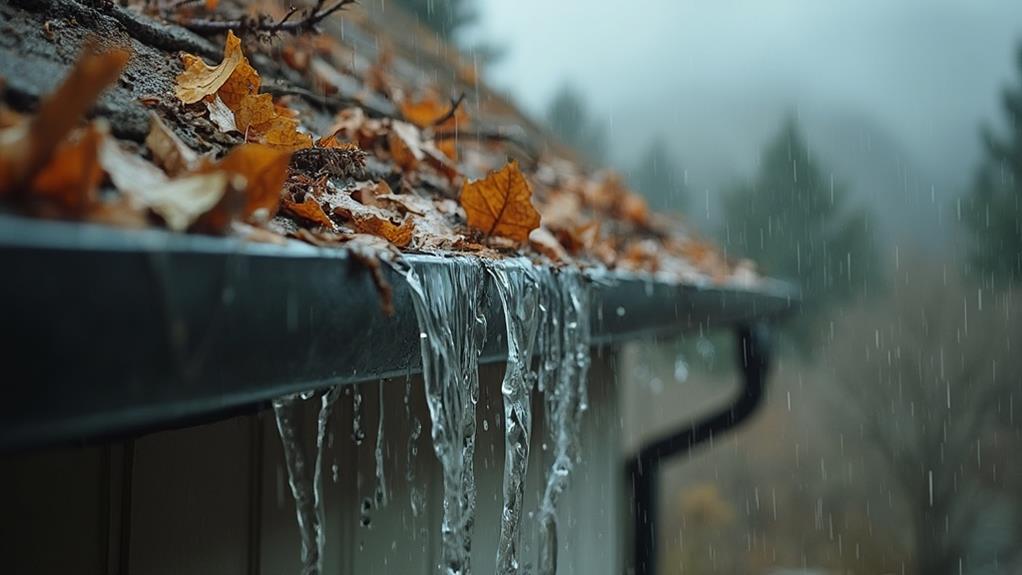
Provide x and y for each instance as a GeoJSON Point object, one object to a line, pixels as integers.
{"type": "Point", "coordinates": [214, 498]}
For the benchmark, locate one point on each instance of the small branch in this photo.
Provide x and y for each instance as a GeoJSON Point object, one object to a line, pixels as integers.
{"type": "Point", "coordinates": [326, 101]}
{"type": "Point", "coordinates": [312, 17]}
{"type": "Point", "coordinates": [450, 113]}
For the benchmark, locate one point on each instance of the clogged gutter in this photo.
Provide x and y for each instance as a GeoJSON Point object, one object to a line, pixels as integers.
{"type": "Point", "coordinates": [224, 155]}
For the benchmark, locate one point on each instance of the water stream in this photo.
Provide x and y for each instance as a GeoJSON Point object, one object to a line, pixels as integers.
{"type": "Point", "coordinates": [518, 287]}
{"type": "Point", "coordinates": [564, 345]}
{"type": "Point", "coordinates": [306, 489]}
{"type": "Point", "coordinates": [449, 307]}
{"type": "Point", "coordinates": [545, 311]}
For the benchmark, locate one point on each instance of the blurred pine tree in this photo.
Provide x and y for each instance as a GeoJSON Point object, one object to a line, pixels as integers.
{"type": "Point", "coordinates": [993, 207]}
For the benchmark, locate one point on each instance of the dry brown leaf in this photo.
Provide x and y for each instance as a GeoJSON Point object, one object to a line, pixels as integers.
{"type": "Point", "coordinates": [405, 145]}
{"type": "Point", "coordinates": [501, 204]}
{"type": "Point", "coordinates": [26, 148]}
{"type": "Point", "coordinates": [221, 116]}
{"type": "Point", "coordinates": [73, 174]}
{"type": "Point", "coordinates": [309, 210]}
{"type": "Point", "coordinates": [183, 201]}
{"type": "Point", "coordinates": [264, 170]}
{"type": "Point", "coordinates": [373, 220]}
{"type": "Point", "coordinates": [427, 110]}
{"type": "Point", "coordinates": [253, 110]}
{"type": "Point", "coordinates": [282, 133]}
{"type": "Point", "coordinates": [545, 243]}
{"type": "Point", "coordinates": [399, 235]}
{"type": "Point", "coordinates": [367, 193]}
{"type": "Point", "coordinates": [170, 153]}
{"type": "Point", "coordinates": [199, 80]}
{"type": "Point", "coordinates": [180, 202]}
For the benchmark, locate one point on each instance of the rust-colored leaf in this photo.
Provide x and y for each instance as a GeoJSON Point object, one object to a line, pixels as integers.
{"type": "Point", "coordinates": [73, 174]}
{"type": "Point", "coordinates": [26, 148]}
{"type": "Point", "coordinates": [399, 235]}
{"type": "Point", "coordinates": [199, 80]}
{"type": "Point", "coordinates": [545, 243]}
{"type": "Point", "coordinates": [501, 204]}
{"type": "Point", "coordinates": [264, 170]}
{"type": "Point", "coordinates": [308, 210]}
{"type": "Point", "coordinates": [405, 145]}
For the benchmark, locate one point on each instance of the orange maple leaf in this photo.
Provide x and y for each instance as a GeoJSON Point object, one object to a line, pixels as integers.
{"type": "Point", "coordinates": [501, 204]}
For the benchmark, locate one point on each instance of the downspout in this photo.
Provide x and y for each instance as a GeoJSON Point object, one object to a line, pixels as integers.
{"type": "Point", "coordinates": [643, 470]}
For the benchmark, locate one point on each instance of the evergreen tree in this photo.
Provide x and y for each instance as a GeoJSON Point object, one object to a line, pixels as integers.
{"type": "Point", "coordinates": [993, 208]}
{"type": "Point", "coordinates": [658, 179]}
{"type": "Point", "coordinates": [568, 118]}
{"type": "Point", "coordinates": [793, 221]}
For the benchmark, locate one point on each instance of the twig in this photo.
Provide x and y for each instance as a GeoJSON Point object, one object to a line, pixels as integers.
{"type": "Point", "coordinates": [515, 136]}
{"type": "Point", "coordinates": [312, 17]}
{"type": "Point", "coordinates": [327, 101]}
{"type": "Point", "coordinates": [450, 113]}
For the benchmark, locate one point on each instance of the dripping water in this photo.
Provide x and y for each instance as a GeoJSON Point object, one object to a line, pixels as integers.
{"type": "Point", "coordinates": [381, 481]}
{"type": "Point", "coordinates": [518, 288]}
{"type": "Point", "coordinates": [448, 302]}
{"type": "Point", "coordinates": [307, 490]}
{"type": "Point", "coordinates": [563, 342]}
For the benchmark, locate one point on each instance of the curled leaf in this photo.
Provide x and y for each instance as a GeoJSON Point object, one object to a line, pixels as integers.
{"type": "Point", "coordinates": [199, 79]}
{"type": "Point", "coordinates": [501, 204]}
{"type": "Point", "coordinates": [180, 202]}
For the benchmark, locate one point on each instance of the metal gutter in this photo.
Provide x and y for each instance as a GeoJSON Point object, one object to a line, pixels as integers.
{"type": "Point", "coordinates": [107, 332]}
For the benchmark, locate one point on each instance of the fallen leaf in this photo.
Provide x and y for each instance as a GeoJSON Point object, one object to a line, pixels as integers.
{"type": "Point", "coordinates": [170, 153]}
{"type": "Point", "coordinates": [199, 80]}
{"type": "Point", "coordinates": [367, 192]}
{"type": "Point", "coordinates": [500, 204]}
{"type": "Point", "coordinates": [252, 110]}
{"type": "Point", "coordinates": [427, 110]}
{"type": "Point", "coordinates": [183, 201]}
{"type": "Point", "coordinates": [309, 210]}
{"type": "Point", "coordinates": [180, 202]}
{"type": "Point", "coordinates": [545, 243]}
{"type": "Point", "coordinates": [221, 116]}
{"type": "Point", "coordinates": [372, 220]}
{"type": "Point", "coordinates": [73, 174]}
{"type": "Point", "coordinates": [405, 145]}
{"type": "Point", "coordinates": [231, 92]}
{"type": "Point", "coordinates": [264, 170]}
{"type": "Point", "coordinates": [399, 235]}
{"type": "Point", "coordinates": [25, 149]}
{"type": "Point", "coordinates": [282, 133]}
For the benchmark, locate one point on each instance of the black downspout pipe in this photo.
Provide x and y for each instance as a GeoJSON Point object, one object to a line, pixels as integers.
{"type": "Point", "coordinates": [644, 468]}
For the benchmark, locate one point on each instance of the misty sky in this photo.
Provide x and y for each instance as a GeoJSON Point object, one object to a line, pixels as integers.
{"type": "Point", "coordinates": [902, 83]}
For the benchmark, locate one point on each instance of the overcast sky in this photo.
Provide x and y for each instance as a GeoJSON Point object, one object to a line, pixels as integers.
{"type": "Point", "coordinates": [914, 77]}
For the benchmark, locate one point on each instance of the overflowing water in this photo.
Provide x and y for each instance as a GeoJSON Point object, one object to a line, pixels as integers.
{"type": "Point", "coordinates": [563, 343]}
{"type": "Point", "coordinates": [546, 311]}
{"type": "Point", "coordinates": [518, 288]}
{"type": "Point", "coordinates": [449, 307]}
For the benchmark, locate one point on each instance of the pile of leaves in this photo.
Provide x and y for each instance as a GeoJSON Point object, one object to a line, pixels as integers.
{"type": "Point", "coordinates": [335, 151]}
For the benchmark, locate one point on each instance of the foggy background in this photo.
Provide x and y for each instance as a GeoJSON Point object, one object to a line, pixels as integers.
{"type": "Point", "coordinates": [890, 94]}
